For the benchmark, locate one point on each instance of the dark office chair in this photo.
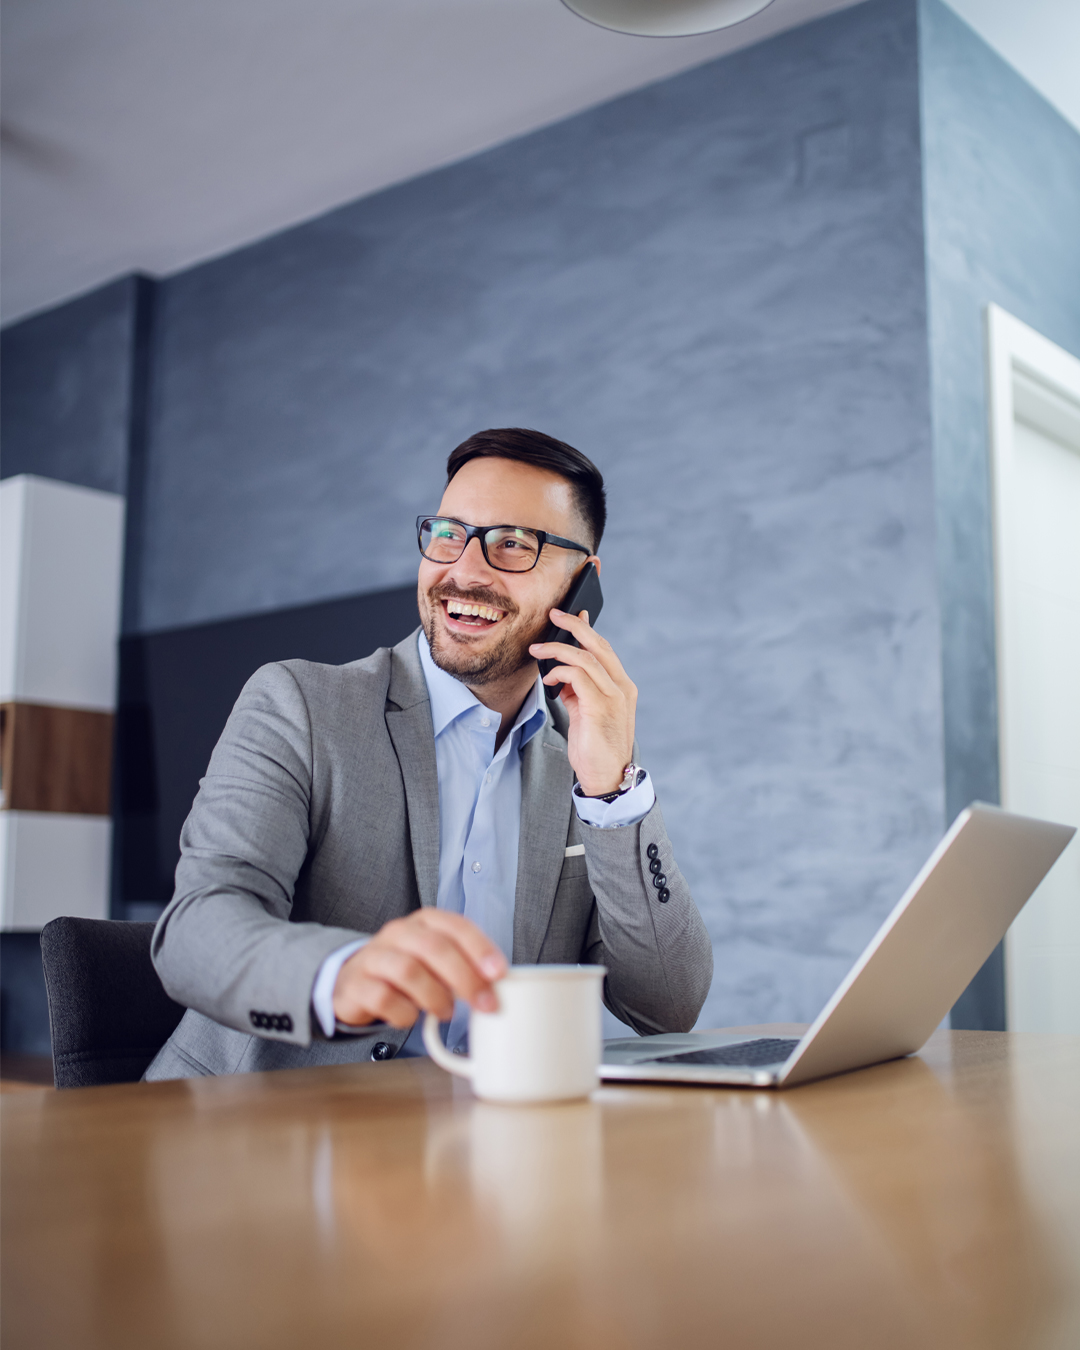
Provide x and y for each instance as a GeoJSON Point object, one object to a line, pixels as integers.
{"type": "Point", "coordinates": [108, 1013]}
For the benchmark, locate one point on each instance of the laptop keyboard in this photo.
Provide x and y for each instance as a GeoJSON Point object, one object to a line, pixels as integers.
{"type": "Point", "coordinates": [764, 1050]}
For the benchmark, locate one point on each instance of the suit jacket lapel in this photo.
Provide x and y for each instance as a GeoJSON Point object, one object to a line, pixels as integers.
{"type": "Point", "coordinates": [408, 720]}
{"type": "Point", "coordinates": [546, 782]}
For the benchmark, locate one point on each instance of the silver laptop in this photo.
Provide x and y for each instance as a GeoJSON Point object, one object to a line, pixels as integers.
{"type": "Point", "coordinates": [917, 965]}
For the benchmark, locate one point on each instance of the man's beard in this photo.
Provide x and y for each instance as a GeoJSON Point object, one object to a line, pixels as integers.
{"type": "Point", "coordinates": [510, 653]}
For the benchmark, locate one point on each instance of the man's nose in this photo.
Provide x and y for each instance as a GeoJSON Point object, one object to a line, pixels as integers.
{"type": "Point", "coordinates": [472, 568]}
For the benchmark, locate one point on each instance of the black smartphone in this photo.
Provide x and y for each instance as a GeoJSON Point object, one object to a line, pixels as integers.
{"type": "Point", "coordinates": [584, 593]}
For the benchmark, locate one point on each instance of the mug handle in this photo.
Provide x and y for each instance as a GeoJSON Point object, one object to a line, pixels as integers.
{"type": "Point", "coordinates": [460, 1064]}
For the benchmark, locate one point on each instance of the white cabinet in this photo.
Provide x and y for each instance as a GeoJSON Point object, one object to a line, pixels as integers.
{"type": "Point", "coordinates": [61, 560]}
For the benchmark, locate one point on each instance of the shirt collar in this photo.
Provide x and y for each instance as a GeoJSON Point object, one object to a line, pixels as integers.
{"type": "Point", "coordinates": [450, 698]}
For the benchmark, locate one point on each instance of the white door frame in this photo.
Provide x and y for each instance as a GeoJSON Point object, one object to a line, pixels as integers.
{"type": "Point", "coordinates": [1032, 378]}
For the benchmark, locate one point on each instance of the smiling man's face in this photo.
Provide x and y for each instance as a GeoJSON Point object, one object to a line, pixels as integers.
{"type": "Point", "coordinates": [479, 621]}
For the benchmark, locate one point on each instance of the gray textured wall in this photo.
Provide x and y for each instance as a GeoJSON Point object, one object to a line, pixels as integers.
{"type": "Point", "coordinates": [67, 390]}
{"type": "Point", "coordinates": [1002, 188]}
{"type": "Point", "coordinates": [713, 286]}
{"type": "Point", "coordinates": [1002, 184]}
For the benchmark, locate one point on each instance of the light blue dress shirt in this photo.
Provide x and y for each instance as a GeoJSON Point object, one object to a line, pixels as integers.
{"type": "Point", "coordinates": [479, 826]}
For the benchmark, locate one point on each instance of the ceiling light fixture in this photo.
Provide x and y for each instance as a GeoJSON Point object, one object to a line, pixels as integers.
{"type": "Point", "coordinates": [665, 18]}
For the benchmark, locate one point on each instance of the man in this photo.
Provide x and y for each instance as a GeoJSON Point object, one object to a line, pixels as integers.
{"type": "Point", "coordinates": [376, 840]}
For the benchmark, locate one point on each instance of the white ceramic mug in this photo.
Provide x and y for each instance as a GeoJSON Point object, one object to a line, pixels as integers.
{"type": "Point", "coordinates": [542, 1045]}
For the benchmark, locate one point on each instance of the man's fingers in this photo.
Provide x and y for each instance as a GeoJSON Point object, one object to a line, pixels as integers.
{"type": "Point", "coordinates": [476, 945]}
{"type": "Point", "coordinates": [360, 999]}
{"type": "Point", "coordinates": [598, 648]}
{"type": "Point", "coordinates": [444, 961]}
{"type": "Point", "coordinates": [423, 961]}
{"type": "Point", "coordinates": [391, 983]}
{"type": "Point", "coordinates": [593, 686]}
{"type": "Point", "coordinates": [600, 700]}
{"type": "Point", "coordinates": [576, 656]}
{"type": "Point", "coordinates": [420, 962]}
{"type": "Point", "coordinates": [414, 978]}
{"type": "Point", "coordinates": [590, 639]}
{"type": "Point", "coordinates": [581, 682]}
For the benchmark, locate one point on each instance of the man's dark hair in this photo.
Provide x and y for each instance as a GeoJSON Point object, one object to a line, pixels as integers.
{"type": "Point", "coordinates": [543, 452]}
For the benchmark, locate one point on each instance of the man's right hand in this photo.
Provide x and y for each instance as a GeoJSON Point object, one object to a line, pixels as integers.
{"type": "Point", "coordinates": [420, 963]}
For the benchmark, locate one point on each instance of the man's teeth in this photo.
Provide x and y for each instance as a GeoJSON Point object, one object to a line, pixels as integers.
{"type": "Point", "coordinates": [474, 611]}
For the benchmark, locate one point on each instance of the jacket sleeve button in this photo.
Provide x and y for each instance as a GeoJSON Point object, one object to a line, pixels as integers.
{"type": "Point", "coordinates": [659, 881]}
{"type": "Point", "coordinates": [380, 1050]}
{"type": "Point", "coordinates": [664, 896]}
{"type": "Point", "coordinates": [652, 851]}
{"type": "Point", "coordinates": [656, 867]}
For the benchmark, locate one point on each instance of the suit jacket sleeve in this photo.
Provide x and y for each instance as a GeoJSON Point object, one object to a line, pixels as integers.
{"type": "Point", "coordinates": [658, 954]}
{"type": "Point", "coordinates": [224, 945]}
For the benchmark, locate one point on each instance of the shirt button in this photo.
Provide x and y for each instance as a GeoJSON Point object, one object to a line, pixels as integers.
{"type": "Point", "coordinates": [487, 778]}
{"type": "Point", "coordinates": [476, 867]}
{"type": "Point", "coordinates": [485, 721]}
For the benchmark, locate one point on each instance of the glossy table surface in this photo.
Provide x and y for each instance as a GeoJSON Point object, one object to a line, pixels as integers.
{"type": "Point", "coordinates": [930, 1202]}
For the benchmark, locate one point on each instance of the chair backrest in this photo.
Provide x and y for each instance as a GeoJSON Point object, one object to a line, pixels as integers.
{"type": "Point", "coordinates": [108, 1012]}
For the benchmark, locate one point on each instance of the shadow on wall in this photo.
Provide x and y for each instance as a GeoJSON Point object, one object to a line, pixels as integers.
{"type": "Point", "coordinates": [24, 1007]}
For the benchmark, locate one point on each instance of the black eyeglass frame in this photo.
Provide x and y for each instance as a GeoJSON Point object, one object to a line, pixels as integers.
{"type": "Point", "coordinates": [478, 531]}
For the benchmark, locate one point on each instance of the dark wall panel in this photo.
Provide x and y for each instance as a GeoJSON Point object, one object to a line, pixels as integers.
{"type": "Point", "coordinates": [176, 691]}
{"type": "Point", "coordinates": [24, 1005]}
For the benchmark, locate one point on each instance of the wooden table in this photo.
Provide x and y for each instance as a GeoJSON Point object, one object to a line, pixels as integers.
{"type": "Point", "coordinates": [931, 1202]}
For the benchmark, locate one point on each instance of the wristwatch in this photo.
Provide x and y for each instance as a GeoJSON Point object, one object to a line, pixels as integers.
{"type": "Point", "coordinates": [631, 778]}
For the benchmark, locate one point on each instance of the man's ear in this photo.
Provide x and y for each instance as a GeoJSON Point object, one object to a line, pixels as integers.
{"type": "Point", "coordinates": [592, 558]}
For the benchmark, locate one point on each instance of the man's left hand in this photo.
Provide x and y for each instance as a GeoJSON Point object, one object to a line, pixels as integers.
{"type": "Point", "coordinates": [600, 700]}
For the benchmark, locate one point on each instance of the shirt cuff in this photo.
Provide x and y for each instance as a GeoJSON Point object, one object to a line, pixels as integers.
{"type": "Point", "coordinates": [322, 993]}
{"type": "Point", "coordinates": [629, 809]}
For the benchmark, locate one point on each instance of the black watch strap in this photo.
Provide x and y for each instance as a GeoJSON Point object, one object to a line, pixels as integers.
{"type": "Point", "coordinates": [633, 778]}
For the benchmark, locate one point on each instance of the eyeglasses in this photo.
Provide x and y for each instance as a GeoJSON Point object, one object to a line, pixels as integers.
{"type": "Point", "coordinates": [505, 547]}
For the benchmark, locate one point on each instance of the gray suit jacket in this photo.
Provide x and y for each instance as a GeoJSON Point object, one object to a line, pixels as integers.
{"type": "Point", "coordinates": [318, 821]}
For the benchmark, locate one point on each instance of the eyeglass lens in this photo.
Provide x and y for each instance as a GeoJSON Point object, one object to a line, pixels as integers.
{"type": "Point", "coordinates": [507, 548]}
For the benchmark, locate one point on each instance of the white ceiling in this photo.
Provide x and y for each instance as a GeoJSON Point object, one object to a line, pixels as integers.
{"type": "Point", "coordinates": [153, 134]}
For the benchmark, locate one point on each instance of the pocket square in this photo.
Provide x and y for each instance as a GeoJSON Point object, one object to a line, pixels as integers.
{"type": "Point", "coordinates": [574, 850]}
